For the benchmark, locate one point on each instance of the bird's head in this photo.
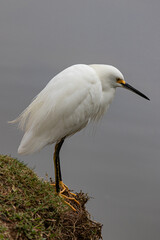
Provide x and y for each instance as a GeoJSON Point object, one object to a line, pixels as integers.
{"type": "Point", "coordinates": [111, 77]}
{"type": "Point", "coordinates": [120, 82]}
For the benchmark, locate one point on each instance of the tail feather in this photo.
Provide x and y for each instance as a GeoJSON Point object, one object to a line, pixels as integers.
{"type": "Point", "coordinates": [24, 120]}
{"type": "Point", "coordinates": [30, 144]}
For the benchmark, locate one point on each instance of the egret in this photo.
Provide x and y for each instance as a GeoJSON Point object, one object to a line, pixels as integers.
{"type": "Point", "coordinates": [79, 94]}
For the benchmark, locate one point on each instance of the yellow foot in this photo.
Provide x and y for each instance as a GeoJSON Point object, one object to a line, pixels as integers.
{"type": "Point", "coordinates": [69, 198]}
{"type": "Point", "coordinates": [53, 184]}
{"type": "Point", "coordinates": [70, 206]}
{"type": "Point", "coordinates": [65, 188]}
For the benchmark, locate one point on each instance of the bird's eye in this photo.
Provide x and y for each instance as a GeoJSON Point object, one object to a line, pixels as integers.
{"type": "Point", "coordinates": [119, 80]}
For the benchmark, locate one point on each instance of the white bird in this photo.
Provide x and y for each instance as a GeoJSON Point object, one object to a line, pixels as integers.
{"type": "Point", "coordinates": [76, 96]}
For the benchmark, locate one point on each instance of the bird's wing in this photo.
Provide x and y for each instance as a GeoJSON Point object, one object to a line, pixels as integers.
{"type": "Point", "coordinates": [62, 108]}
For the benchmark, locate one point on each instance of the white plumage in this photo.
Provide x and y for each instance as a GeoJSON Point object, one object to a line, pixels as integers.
{"type": "Point", "coordinates": [69, 101]}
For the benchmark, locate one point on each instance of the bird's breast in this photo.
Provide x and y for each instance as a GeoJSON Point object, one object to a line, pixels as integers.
{"type": "Point", "coordinates": [106, 99]}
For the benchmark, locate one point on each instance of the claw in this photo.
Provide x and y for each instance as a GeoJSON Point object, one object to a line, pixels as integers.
{"type": "Point", "coordinates": [70, 206]}
{"type": "Point", "coordinates": [61, 194]}
{"type": "Point", "coordinates": [69, 198]}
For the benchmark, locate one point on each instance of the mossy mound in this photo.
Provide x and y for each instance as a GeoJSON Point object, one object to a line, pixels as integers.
{"type": "Point", "coordinates": [29, 209]}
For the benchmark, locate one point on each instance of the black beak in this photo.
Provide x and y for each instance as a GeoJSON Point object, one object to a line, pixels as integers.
{"type": "Point", "coordinates": [129, 87]}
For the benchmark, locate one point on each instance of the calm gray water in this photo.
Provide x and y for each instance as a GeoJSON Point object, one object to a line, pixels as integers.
{"type": "Point", "coordinates": [116, 162]}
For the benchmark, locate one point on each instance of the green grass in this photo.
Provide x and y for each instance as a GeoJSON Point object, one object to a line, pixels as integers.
{"type": "Point", "coordinates": [29, 209]}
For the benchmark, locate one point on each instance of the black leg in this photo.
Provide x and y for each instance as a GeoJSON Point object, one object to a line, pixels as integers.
{"type": "Point", "coordinates": [56, 171]}
{"type": "Point", "coordinates": [58, 176]}
{"type": "Point", "coordinates": [59, 167]}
